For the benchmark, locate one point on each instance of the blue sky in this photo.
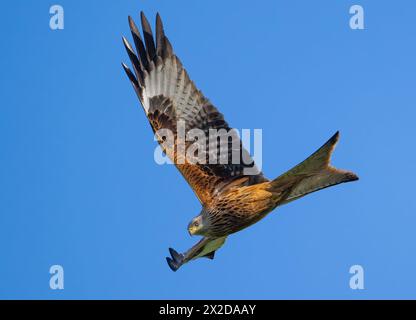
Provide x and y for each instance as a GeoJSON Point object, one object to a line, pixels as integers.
{"type": "Point", "coordinates": [79, 186]}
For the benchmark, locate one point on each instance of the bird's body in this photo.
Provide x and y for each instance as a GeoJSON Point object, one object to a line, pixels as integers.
{"type": "Point", "coordinates": [239, 208]}
{"type": "Point", "coordinates": [233, 194]}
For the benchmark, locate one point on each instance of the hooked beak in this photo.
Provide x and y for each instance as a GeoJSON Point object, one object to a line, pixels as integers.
{"type": "Point", "coordinates": [190, 229]}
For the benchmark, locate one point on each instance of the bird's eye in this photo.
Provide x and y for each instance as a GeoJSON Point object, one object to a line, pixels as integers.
{"type": "Point", "coordinates": [196, 224]}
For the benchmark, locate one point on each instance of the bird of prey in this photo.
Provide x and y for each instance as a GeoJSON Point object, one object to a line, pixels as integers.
{"type": "Point", "coordinates": [232, 198]}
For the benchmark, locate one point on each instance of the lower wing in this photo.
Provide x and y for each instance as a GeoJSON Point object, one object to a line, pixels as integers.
{"type": "Point", "coordinates": [206, 247]}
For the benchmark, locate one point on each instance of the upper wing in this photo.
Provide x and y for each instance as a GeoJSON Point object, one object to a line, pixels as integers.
{"type": "Point", "coordinates": [170, 99]}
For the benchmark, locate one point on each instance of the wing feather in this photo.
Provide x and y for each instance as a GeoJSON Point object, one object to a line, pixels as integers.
{"type": "Point", "coordinates": [148, 36]}
{"type": "Point", "coordinates": [206, 247]}
{"type": "Point", "coordinates": [168, 95]}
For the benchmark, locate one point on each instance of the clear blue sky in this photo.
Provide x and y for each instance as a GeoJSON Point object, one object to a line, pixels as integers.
{"type": "Point", "coordinates": [79, 186]}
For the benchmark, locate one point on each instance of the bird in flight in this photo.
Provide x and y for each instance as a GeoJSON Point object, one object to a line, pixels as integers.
{"type": "Point", "coordinates": [233, 194]}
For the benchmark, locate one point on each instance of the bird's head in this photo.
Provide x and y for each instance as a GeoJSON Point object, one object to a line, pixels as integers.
{"type": "Point", "coordinates": [196, 226]}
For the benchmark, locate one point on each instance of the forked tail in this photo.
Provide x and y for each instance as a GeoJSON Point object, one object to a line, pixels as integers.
{"type": "Point", "coordinates": [314, 173]}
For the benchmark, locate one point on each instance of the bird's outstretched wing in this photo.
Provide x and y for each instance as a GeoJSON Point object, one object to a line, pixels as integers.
{"type": "Point", "coordinates": [206, 247]}
{"type": "Point", "coordinates": [170, 99]}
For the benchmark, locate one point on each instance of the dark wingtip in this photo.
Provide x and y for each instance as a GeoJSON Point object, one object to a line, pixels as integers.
{"type": "Point", "coordinates": [145, 22]}
{"type": "Point", "coordinates": [133, 26]}
{"type": "Point", "coordinates": [176, 261]}
{"type": "Point", "coordinates": [351, 176]}
{"type": "Point", "coordinates": [159, 22]}
{"type": "Point", "coordinates": [130, 74]}
{"type": "Point", "coordinates": [148, 36]}
{"type": "Point", "coordinates": [125, 67]}
{"type": "Point", "coordinates": [160, 37]}
{"type": "Point", "coordinates": [175, 255]}
{"type": "Point", "coordinates": [127, 45]}
{"type": "Point", "coordinates": [335, 137]}
{"type": "Point", "coordinates": [172, 265]}
{"type": "Point", "coordinates": [210, 255]}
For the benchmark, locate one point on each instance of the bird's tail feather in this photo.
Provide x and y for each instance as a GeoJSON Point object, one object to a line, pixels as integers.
{"type": "Point", "coordinates": [314, 173]}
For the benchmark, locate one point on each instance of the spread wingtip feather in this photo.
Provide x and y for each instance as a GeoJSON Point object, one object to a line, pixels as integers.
{"type": "Point", "coordinates": [148, 36]}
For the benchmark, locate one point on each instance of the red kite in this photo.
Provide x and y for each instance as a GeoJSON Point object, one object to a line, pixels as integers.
{"type": "Point", "coordinates": [232, 196]}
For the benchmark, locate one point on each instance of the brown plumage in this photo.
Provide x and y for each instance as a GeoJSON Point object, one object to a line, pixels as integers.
{"type": "Point", "coordinates": [231, 199]}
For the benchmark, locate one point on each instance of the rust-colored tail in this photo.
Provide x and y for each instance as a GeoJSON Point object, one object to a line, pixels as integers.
{"type": "Point", "coordinates": [314, 173]}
